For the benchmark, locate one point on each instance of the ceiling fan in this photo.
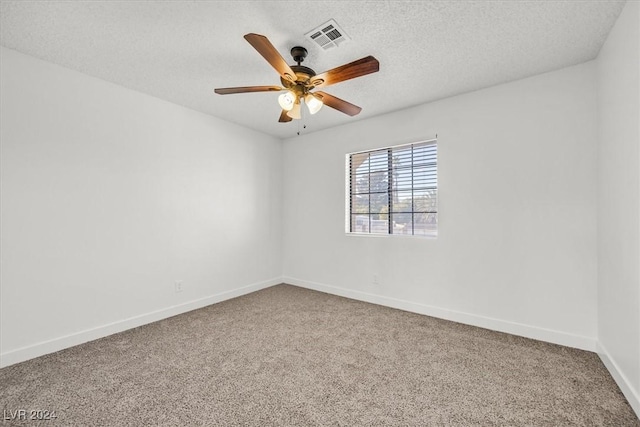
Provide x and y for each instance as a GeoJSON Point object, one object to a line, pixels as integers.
{"type": "Point", "coordinates": [298, 81]}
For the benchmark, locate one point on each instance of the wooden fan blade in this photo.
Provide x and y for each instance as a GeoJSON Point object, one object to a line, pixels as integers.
{"type": "Point", "coordinates": [266, 49]}
{"type": "Point", "coordinates": [284, 118]}
{"type": "Point", "coordinates": [244, 89]}
{"type": "Point", "coordinates": [337, 103]}
{"type": "Point", "coordinates": [354, 69]}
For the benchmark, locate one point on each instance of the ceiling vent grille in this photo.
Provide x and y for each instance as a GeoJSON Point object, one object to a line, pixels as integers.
{"type": "Point", "coordinates": [328, 35]}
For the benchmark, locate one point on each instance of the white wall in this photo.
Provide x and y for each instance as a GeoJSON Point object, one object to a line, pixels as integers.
{"type": "Point", "coordinates": [619, 202]}
{"type": "Point", "coordinates": [516, 249]}
{"type": "Point", "coordinates": [109, 195]}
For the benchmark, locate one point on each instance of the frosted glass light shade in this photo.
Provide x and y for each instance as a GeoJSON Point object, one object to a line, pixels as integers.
{"type": "Point", "coordinates": [313, 103]}
{"type": "Point", "coordinates": [287, 100]}
{"type": "Point", "coordinates": [294, 113]}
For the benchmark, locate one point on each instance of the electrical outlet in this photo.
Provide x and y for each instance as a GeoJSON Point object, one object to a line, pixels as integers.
{"type": "Point", "coordinates": [178, 286]}
{"type": "Point", "coordinates": [376, 280]}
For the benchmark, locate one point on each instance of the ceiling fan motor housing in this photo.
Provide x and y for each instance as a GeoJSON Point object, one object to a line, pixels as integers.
{"type": "Point", "coordinates": [303, 75]}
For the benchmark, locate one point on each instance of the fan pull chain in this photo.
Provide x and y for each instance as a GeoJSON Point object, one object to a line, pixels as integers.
{"type": "Point", "coordinates": [302, 118]}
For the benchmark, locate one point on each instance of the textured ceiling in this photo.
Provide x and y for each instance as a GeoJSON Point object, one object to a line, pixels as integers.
{"type": "Point", "coordinates": [181, 50]}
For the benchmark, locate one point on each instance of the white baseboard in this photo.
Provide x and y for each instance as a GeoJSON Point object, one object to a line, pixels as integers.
{"type": "Point", "coordinates": [548, 335]}
{"type": "Point", "coordinates": [60, 343]}
{"type": "Point", "coordinates": [632, 395]}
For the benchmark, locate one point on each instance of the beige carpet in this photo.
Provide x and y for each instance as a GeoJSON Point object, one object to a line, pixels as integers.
{"type": "Point", "coordinates": [290, 356]}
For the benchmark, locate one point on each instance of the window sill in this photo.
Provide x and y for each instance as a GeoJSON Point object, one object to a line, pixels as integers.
{"type": "Point", "coordinates": [431, 236]}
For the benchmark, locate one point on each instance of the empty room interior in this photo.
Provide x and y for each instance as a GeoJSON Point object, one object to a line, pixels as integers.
{"type": "Point", "coordinates": [320, 213]}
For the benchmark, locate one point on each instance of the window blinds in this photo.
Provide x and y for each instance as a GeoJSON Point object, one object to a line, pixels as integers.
{"type": "Point", "coordinates": [394, 190]}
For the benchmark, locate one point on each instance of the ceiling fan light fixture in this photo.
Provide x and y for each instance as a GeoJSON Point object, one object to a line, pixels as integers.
{"type": "Point", "coordinates": [287, 100]}
{"type": "Point", "coordinates": [294, 113]}
{"type": "Point", "coordinates": [313, 103]}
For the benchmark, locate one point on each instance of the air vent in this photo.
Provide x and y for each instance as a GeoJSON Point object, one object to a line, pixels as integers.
{"type": "Point", "coordinates": [328, 35]}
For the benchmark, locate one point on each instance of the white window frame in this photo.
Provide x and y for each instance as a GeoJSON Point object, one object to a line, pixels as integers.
{"type": "Point", "coordinates": [428, 231]}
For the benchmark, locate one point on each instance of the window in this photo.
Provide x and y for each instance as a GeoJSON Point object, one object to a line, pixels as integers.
{"type": "Point", "coordinates": [394, 190]}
